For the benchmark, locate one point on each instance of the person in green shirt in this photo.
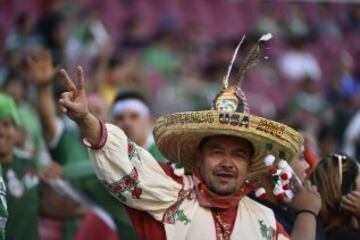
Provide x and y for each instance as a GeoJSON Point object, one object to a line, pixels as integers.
{"type": "Point", "coordinates": [9, 119]}
{"type": "Point", "coordinates": [23, 198]}
{"type": "Point", "coordinates": [26, 198]}
{"type": "Point", "coordinates": [30, 142]}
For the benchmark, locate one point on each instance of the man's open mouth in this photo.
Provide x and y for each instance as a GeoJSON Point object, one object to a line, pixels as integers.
{"type": "Point", "coordinates": [230, 175]}
{"type": "Point", "coordinates": [224, 176]}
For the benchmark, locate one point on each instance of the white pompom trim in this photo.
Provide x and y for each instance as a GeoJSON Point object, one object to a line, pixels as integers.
{"type": "Point", "coordinates": [283, 164]}
{"type": "Point", "coordinates": [259, 192]}
{"type": "Point", "coordinates": [179, 172]}
{"type": "Point", "coordinates": [278, 190]}
{"type": "Point", "coordinates": [289, 194]}
{"type": "Point", "coordinates": [269, 160]}
{"type": "Point", "coordinates": [283, 182]}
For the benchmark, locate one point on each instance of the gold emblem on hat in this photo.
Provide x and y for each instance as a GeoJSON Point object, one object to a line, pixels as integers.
{"type": "Point", "coordinates": [227, 102]}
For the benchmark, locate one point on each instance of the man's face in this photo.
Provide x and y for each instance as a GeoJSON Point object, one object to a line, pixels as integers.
{"type": "Point", "coordinates": [135, 125]}
{"type": "Point", "coordinates": [224, 163]}
{"type": "Point", "coordinates": [7, 138]}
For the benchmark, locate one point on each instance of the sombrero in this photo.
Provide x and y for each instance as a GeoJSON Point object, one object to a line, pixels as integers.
{"type": "Point", "coordinates": [178, 135]}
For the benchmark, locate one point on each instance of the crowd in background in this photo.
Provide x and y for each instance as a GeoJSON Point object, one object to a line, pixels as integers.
{"type": "Point", "coordinates": [176, 53]}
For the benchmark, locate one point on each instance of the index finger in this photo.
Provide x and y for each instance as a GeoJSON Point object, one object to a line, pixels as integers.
{"type": "Point", "coordinates": [356, 194]}
{"type": "Point", "coordinates": [80, 78]}
{"type": "Point", "coordinates": [351, 197]}
{"type": "Point", "coordinates": [298, 186]}
{"type": "Point", "coordinates": [348, 201]}
{"type": "Point", "coordinates": [69, 83]}
{"type": "Point", "coordinates": [307, 184]}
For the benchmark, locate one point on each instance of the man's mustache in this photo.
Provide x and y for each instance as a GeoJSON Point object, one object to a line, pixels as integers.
{"type": "Point", "coordinates": [227, 171]}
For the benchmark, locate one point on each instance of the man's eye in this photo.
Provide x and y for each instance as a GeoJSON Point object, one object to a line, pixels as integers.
{"type": "Point", "coordinates": [217, 151]}
{"type": "Point", "coordinates": [240, 155]}
{"type": "Point", "coordinates": [134, 116]}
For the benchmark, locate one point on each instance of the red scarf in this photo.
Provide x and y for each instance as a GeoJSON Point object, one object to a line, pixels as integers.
{"type": "Point", "coordinates": [212, 200]}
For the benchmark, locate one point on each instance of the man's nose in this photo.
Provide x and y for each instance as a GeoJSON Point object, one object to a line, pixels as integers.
{"type": "Point", "coordinates": [227, 161]}
{"type": "Point", "coordinates": [127, 123]}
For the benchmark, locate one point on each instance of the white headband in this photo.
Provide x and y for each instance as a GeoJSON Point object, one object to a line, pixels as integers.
{"type": "Point", "coordinates": [133, 105]}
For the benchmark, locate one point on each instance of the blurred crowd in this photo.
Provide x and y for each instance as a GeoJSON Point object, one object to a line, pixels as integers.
{"type": "Point", "coordinates": [172, 56]}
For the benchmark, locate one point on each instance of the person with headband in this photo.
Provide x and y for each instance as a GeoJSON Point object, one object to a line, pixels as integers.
{"type": "Point", "coordinates": [337, 178]}
{"type": "Point", "coordinates": [131, 112]}
{"type": "Point", "coordinates": [215, 154]}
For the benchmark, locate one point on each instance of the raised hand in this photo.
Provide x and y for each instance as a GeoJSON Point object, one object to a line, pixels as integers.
{"type": "Point", "coordinates": [306, 197]}
{"type": "Point", "coordinates": [351, 203]}
{"type": "Point", "coordinates": [73, 102]}
{"type": "Point", "coordinates": [41, 66]}
{"type": "Point", "coordinates": [307, 200]}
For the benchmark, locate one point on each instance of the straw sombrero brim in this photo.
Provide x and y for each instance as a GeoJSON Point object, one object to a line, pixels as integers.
{"type": "Point", "coordinates": [178, 136]}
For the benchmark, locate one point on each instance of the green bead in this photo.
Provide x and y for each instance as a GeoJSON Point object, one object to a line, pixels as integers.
{"type": "Point", "coordinates": [269, 146]}
{"type": "Point", "coordinates": [275, 178]}
{"type": "Point", "coordinates": [282, 155]}
{"type": "Point", "coordinates": [178, 165]}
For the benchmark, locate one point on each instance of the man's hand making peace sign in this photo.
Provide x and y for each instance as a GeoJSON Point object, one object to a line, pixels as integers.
{"type": "Point", "coordinates": [74, 104]}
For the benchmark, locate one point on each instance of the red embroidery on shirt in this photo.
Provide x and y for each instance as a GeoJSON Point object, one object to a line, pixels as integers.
{"type": "Point", "coordinates": [132, 151]}
{"type": "Point", "coordinates": [136, 192]}
{"type": "Point", "coordinates": [128, 182]}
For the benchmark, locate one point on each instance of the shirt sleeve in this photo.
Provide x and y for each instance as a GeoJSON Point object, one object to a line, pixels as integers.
{"type": "Point", "coordinates": [132, 175]}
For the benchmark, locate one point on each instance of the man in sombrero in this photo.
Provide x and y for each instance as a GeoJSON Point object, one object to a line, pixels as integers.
{"type": "Point", "coordinates": [221, 150]}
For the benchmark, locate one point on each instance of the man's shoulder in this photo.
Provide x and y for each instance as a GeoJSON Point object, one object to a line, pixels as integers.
{"type": "Point", "coordinates": [169, 171]}
{"type": "Point", "coordinates": [256, 205]}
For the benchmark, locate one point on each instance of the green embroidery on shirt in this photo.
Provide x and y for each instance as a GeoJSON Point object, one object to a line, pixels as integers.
{"type": "Point", "coordinates": [179, 215]}
{"type": "Point", "coordinates": [266, 232]}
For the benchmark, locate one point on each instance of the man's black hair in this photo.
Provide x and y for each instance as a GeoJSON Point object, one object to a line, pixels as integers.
{"type": "Point", "coordinates": [13, 76]}
{"type": "Point", "coordinates": [115, 61]}
{"type": "Point", "coordinates": [131, 94]}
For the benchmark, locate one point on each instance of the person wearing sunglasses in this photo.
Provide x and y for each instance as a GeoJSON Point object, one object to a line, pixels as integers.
{"type": "Point", "coordinates": [337, 178]}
